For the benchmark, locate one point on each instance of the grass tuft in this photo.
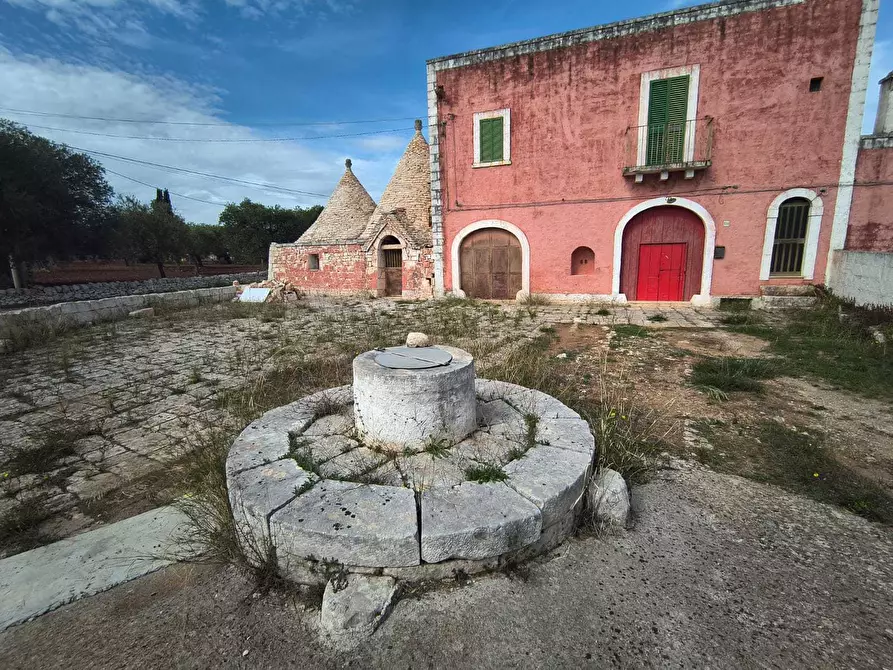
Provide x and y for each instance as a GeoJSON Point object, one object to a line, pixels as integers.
{"type": "Point", "coordinates": [720, 376]}
{"type": "Point", "coordinates": [485, 473]}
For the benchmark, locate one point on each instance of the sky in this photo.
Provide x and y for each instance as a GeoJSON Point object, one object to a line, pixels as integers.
{"type": "Point", "coordinates": [309, 82]}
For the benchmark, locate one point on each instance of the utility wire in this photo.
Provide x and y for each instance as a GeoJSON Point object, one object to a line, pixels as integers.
{"type": "Point", "coordinates": [202, 123]}
{"type": "Point", "coordinates": [162, 166]}
{"type": "Point", "coordinates": [179, 195]}
{"type": "Point", "coordinates": [218, 139]}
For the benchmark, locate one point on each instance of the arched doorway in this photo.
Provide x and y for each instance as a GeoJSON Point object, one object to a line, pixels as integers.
{"type": "Point", "coordinates": [662, 255]}
{"type": "Point", "coordinates": [391, 264]}
{"type": "Point", "coordinates": [491, 264]}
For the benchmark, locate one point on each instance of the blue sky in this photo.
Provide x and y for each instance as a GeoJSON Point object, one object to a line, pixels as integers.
{"type": "Point", "coordinates": [241, 66]}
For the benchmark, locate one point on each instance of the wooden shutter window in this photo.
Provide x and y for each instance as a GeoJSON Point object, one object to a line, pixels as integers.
{"type": "Point", "coordinates": [667, 114]}
{"type": "Point", "coordinates": [491, 149]}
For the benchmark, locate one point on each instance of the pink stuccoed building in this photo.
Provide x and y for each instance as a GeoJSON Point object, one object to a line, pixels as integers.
{"type": "Point", "coordinates": [708, 152]}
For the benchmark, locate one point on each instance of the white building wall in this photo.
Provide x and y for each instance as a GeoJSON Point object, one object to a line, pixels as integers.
{"type": "Point", "coordinates": [863, 276]}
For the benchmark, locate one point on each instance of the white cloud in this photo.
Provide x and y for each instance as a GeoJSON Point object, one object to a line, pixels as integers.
{"type": "Point", "coordinates": [48, 85]}
{"type": "Point", "coordinates": [186, 9]}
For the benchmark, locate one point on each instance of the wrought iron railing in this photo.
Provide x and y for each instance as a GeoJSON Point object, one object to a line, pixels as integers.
{"type": "Point", "coordinates": [661, 146]}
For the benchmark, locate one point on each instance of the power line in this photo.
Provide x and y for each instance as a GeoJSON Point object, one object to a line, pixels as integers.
{"type": "Point", "coordinates": [218, 139]}
{"type": "Point", "coordinates": [203, 123]}
{"type": "Point", "coordinates": [162, 166]}
{"type": "Point", "coordinates": [179, 195]}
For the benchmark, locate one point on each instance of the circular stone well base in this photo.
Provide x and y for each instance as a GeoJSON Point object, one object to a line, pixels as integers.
{"type": "Point", "coordinates": [302, 478]}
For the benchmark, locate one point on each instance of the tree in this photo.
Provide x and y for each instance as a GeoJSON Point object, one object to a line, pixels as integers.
{"type": "Point", "coordinates": [251, 227]}
{"type": "Point", "coordinates": [152, 232]}
{"type": "Point", "coordinates": [53, 201]}
{"type": "Point", "coordinates": [205, 240]}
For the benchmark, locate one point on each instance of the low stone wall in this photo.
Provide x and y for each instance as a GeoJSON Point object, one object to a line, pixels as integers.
{"type": "Point", "coordinates": [863, 276]}
{"type": "Point", "coordinates": [61, 316]}
{"type": "Point", "coordinates": [49, 295]}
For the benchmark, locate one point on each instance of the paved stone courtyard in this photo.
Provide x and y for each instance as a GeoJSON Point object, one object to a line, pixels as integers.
{"type": "Point", "coordinates": [92, 422]}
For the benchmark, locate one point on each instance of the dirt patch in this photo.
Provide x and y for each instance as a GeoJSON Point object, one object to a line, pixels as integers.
{"type": "Point", "coordinates": [716, 343]}
{"type": "Point", "coordinates": [655, 367]}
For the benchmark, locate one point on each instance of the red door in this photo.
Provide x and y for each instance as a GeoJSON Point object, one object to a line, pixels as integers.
{"type": "Point", "coordinates": [661, 272]}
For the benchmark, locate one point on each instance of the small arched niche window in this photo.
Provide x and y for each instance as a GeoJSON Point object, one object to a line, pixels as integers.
{"type": "Point", "coordinates": [790, 238]}
{"type": "Point", "coordinates": [583, 261]}
{"type": "Point", "coordinates": [313, 262]}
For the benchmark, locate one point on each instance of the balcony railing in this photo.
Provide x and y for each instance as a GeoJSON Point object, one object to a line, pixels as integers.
{"type": "Point", "coordinates": [669, 147]}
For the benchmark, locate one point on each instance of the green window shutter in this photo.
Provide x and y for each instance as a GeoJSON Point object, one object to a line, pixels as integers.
{"type": "Point", "coordinates": [657, 102]}
{"type": "Point", "coordinates": [667, 113]}
{"type": "Point", "coordinates": [491, 149]}
{"type": "Point", "coordinates": [677, 95]}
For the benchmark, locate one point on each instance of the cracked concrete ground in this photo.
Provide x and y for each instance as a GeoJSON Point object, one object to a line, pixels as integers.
{"type": "Point", "coordinates": [718, 571]}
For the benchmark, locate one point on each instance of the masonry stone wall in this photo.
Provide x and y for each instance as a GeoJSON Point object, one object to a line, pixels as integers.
{"type": "Point", "coordinates": [48, 295]}
{"type": "Point", "coordinates": [348, 269]}
{"type": "Point", "coordinates": [342, 267]}
{"type": "Point", "coordinates": [863, 276]}
{"type": "Point", "coordinates": [85, 312]}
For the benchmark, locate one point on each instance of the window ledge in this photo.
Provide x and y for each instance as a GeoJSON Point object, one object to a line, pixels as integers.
{"type": "Point", "coordinates": [493, 164]}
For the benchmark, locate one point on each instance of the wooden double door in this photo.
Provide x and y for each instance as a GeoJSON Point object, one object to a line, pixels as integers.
{"type": "Point", "coordinates": [490, 263]}
{"type": "Point", "coordinates": [663, 255]}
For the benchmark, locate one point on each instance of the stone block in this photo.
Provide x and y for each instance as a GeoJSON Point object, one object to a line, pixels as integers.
{"type": "Point", "coordinates": [334, 424]}
{"type": "Point", "coordinates": [424, 471]}
{"type": "Point", "coordinates": [486, 448]}
{"type": "Point", "coordinates": [256, 493]}
{"type": "Point", "coordinates": [357, 607]}
{"type": "Point", "coordinates": [322, 449]}
{"type": "Point", "coordinates": [573, 434]}
{"type": "Point", "coordinates": [552, 479]}
{"type": "Point", "coordinates": [524, 400]}
{"type": "Point", "coordinates": [476, 521]}
{"type": "Point", "coordinates": [496, 412]}
{"type": "Point", "coordinates": [266, 439]}
{"type": "Point", "coordinates": [608, 497]}
{"type": "Point", "coordinates": [352, 464]}
{"type": "Point", "coordinates": [354, 524]}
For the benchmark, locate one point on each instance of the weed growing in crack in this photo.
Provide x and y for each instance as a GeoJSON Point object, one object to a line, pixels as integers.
{"type": "Point", "coordinates": [484, 473]}
{"type": "Point", "coordinates": [298, 450]}
{"type": "Point", "coordinates": [20, 526]}
{"type": "Point", "coordinates": [51, 445]}
{"type": "Point", "coordinates": [438, 447]}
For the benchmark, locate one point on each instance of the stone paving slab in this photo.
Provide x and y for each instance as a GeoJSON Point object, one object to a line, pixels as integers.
{"type": "Point", "coordinates": [474, 521]}
{"type": "Point", "coordinates": [355, 524]}
{"type": "Point", "coordinates": [552, 479]}
{"type": "Point", "coordinates": [43, 579]}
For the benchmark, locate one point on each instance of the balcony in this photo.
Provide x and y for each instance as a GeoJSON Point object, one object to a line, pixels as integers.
{"type": "Point", "coordinates": [672, 147]}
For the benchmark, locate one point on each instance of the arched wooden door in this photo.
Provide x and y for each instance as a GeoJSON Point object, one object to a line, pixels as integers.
{"type": "Point", "coordinates": [663, 255]}
{"type": "Point", "coordinates": [490, 264]}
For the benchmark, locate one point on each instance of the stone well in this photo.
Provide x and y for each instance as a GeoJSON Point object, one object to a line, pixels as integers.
{"type": "Point", "coordinates": [400, 407]}
{"type": "Point", "coordinates": [414, 473]}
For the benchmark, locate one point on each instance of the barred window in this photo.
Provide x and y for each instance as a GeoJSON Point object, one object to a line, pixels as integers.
{"type": "Point", "coordinates": [790, 237]}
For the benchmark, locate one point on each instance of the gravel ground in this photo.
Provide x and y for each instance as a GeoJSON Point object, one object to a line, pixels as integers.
{"type": "Point", "coordinates": [717, 572]}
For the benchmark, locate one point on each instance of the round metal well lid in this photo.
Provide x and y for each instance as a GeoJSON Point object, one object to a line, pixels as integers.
{"type": "Point", "coordinates": [413, 358]}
